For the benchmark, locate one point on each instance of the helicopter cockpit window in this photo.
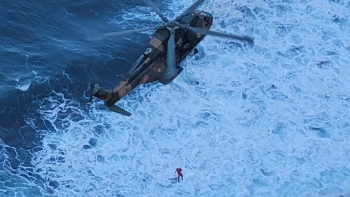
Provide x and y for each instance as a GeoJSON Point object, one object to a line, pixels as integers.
{"type": "Point", "coordinates": [204, 17]}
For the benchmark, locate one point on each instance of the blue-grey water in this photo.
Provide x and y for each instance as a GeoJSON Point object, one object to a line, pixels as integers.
{"type": "Point", "coordinates": [232, 133]}
{"type": "Point", "coordinates": [44, 50]}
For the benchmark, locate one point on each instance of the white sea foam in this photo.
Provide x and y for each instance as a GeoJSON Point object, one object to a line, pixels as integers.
{"type": "Point", "coordinates": [23, 87]}
{"type": "Point", "coordinates": [232, 134]}
{"type": "Point", "coordinates": [23, 82]}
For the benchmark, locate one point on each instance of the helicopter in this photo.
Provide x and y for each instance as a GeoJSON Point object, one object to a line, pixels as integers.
{"type": "Point", "coordinates": [169, 45]}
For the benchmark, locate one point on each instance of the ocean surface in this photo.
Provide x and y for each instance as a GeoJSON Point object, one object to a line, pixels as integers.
{"type": "Point", "coordinates": [269, 120]}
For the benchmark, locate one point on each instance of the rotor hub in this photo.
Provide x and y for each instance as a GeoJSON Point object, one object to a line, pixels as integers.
{"type": "Point", "coordinates": [173, 24]}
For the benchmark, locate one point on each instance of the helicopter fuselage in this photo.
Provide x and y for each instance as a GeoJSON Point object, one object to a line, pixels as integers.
{"type": "Point", "coordinates": [151, 65]}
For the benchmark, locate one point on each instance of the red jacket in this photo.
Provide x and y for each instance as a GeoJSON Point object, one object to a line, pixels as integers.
{"type": "Point", "coordinates": [179, 171]}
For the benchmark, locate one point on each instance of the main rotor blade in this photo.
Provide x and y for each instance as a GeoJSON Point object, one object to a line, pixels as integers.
{"type": "Point", "coordinates": [213, 33]}
{"type": "Point", "coordinates": [191, 8]}
{"type": "Point", "coordinates": [156, 9]}
{"type": "Point", "coordinates": [171, 59]}
{"type": "Point", "coordinates": [119, 33]}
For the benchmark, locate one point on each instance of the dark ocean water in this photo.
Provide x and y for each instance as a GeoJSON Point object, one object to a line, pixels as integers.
{"type": "Point", "coordinates": [44, 45]}
{"type": "Point", "coordinates": [273, 141]}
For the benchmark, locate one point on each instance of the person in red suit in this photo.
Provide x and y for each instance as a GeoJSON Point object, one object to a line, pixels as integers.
{"type": "Point", "coordinates": [179, 174]}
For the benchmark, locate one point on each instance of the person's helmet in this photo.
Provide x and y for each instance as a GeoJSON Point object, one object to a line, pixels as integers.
{"type": "Point", "coordinates": [178, 167]}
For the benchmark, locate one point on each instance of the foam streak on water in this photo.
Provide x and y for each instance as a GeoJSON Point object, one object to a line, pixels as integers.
{"type": "Point", "coordinates": [232, 134]}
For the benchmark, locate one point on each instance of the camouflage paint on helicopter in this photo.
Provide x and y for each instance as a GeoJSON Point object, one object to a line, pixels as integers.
{"type": "Point", "coordinates": [169, 45]}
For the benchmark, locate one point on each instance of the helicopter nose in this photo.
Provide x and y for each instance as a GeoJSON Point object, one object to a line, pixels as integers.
{"type": "Point", "coordinates": [210, 16]}
{"type": "Point", "coordinates": [208, 19]}
{"type": "Point", "coordinates": [206, 15]}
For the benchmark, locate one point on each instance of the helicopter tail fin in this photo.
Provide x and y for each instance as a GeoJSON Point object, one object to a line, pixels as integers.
{"type": "Point", "coordinates": [119, 110]}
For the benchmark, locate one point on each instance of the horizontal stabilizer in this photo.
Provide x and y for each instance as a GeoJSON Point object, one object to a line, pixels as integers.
{"type": "Point", "coordinates": [119, 110]}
